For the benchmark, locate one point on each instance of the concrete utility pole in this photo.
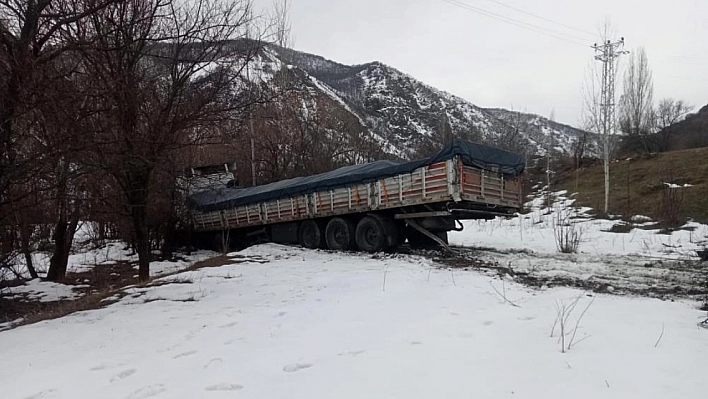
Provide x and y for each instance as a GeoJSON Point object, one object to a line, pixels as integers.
{"type": "Point", "coordinates": [608, 53]}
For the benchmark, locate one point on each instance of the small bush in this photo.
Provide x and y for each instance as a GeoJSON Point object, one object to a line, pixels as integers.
{"type": "Point", "coordinates": [563, 312]}
{"type": "Point", "coordinates": [567, 232]}
{"type": "Point", "coordinates": [670, 207]}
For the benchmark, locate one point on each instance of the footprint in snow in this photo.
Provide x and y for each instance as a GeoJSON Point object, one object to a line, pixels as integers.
{"type": "Point", "coordinates": [123, 374]}
{"type": "Point", "coordinates": [214, 361]}
{"type": "Point", "coordinates": [352, 353]}
{"type": "Point", "coordinates": [231, 341]}
{"type": "Point", "coordinates": [295, 367]}
{"type": "Point", "coordinates": [488, 323]}
{"type": "Point", "coordinates": [147, 392]}
{"type": "Point", "coordinates": [188, 353]}
{"type": "Point", "coordinates": [104, 366]}
{"type": "Point", "coordinates": [281, 314]}
{"type": "Point", "coordinates": [40, 395]}
{"type": "Point", "coordinates": [229, 325]}
{"type": "Point", "coordinates": [224, 387]}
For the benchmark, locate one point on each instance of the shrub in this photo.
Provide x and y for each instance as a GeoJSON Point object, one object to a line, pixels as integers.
{"type": "Point", "coordinates": [567, 231]}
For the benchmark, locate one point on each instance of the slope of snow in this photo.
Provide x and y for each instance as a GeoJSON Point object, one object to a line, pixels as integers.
{"type": "Point", "coordinates": [641, 260]}
{"type": "Point", "coordinates": [540, 132]}
{"type": "Point", "coordinates": [293, 323]}
{"type": "Point", "coordinates": [43, 291]}
{"type": "Point", "coordinates": [534, 231]}
{"type": "Point", "coordinates": [334, 96]}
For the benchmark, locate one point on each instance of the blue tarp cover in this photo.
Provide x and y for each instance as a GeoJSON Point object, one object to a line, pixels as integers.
{"type": "Point", "coordinates": [472, 154]}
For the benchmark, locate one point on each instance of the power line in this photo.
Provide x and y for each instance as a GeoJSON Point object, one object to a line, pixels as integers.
{"type": "Point", "coordinates": [542, 18]}
{"type": "Point", "coordinates": [521, 24]}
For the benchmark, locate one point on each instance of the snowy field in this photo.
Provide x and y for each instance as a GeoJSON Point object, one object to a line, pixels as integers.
{"type": "Point", "coordinates": [283, 322]}
{"type": "Point", "coordinates": [293, 323]}
{"type": "Point", "coordinates": [642, 260]}
{"type": "Point", "coordinates": [535, 231]}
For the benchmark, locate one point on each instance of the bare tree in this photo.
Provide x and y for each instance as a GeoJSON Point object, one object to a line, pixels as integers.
{"type": "Point", "coordinates": [33, 76]}
{"type": "Point", "coordinates": [636, 106]}
{"type": "Point", "coordinates": [445, 128]}
{"type": "Point", "coordinates": [669, 112]}
{"type": "Point", "coordinates": [282, 24]}
{"type": "Point", "coordinates": [160, 75]}
{"type": "Point", "coordinates": [579, 146]}
{"type": "Point", "coordinates": [510, 135]}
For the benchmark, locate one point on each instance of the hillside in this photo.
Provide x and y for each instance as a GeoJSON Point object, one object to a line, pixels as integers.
{"type": "Point", "coordinates": [540, 131]}
{"type": "Point", "coordinates": [689, 133]}
{"type": "Point", "coordinates": [405, 115]}
{"type": "Point", "coordinates": [638, 185]}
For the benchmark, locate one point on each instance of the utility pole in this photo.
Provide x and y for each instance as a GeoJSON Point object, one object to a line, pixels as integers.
{"type": "Point", "coordinates": [608, 53]}
{"type": "Point", "coordinates": [253, 151]}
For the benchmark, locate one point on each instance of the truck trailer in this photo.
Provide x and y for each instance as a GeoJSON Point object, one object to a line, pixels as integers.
{"type": "Point", "coordinates": [370, 207]}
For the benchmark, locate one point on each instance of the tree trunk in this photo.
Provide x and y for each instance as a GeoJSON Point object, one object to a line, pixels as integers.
{"type": "Point", "coordinates": [65, 228]}
{"type": "Point", "coordinates": [142, 241]}
{"type": "Point", "coordinates": [137, 189]}
{"type": "Point", "coordinates": [101, 231]}
{"type": "Point", "coordinates": [57, 268]}
{"type": "Point", "coordinates": [168, 239]}
{"type": "Point", "coordinates": [25, 238]}
{"type": "Point", "coordinates": [63, 239]}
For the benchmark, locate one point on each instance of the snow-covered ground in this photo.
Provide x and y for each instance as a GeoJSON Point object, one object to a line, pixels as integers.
{"type": "Point", "coordinates": [43, 291]}
{"type": "Point", "coordinates": [641, 260]}
{"type": "Point", "coordinates": [534, 231]}
{"type": "Point", "coordinates": [292, 323]}
{"type": "Point", "coordinates": [84, 259]}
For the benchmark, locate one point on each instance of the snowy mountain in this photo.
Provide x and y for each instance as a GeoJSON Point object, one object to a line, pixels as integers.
{"type": "Point", "coordinates": [409, 118]}
{"type": "Point", "coordinates": [541, 131]}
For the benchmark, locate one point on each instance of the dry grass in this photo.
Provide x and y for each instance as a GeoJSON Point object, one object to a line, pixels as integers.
{"type": "Point", "coordinates": [637, 185]}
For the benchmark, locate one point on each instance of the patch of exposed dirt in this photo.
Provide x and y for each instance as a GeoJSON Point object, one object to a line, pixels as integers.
{"type": "Point", "coordinates": [695, 272]}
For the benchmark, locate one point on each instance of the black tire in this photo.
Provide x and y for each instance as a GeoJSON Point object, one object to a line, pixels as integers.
{"type": "Point", "coordinates": [340, 234]}
{"type": "Point", "coordinates": [370, 235]}
{"type": "Point", "coordinates": [310, 235]}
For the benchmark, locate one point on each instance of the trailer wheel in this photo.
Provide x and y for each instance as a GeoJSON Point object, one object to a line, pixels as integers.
{"type": "Point", "coordinates": [310, 235]}
{"type": "Point", "coordinates": [370, 235]}
{"type": "Point", "coordinates": [339, 234]}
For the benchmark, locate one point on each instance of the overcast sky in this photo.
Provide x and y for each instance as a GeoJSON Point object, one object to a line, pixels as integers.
{"type": "Point", "coordinates": [497, 64]}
